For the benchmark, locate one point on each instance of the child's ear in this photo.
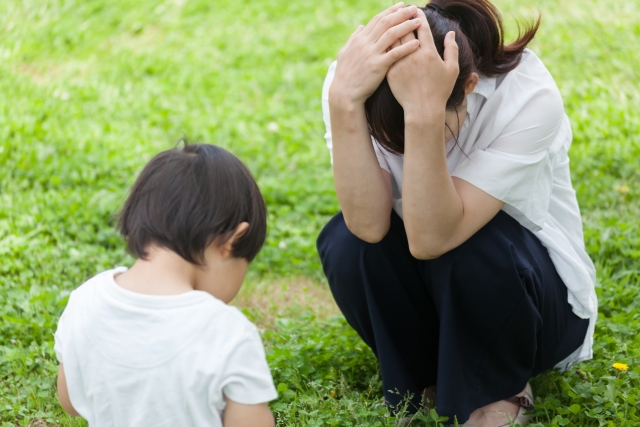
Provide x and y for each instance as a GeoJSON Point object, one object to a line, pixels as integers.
{"type": "Point", "coordinates": [227, 247]}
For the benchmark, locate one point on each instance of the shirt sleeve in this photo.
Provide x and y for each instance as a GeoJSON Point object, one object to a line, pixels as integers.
{"type": "Point", "coordinates": [327, 120]}
{"type": "Point", "coordinates": [516, 167]}
{"type": "Point", "coordinates": [60, 337]}
{"type": "Point", "coordinates": [325, 107]}
{"type": "Point", "coordinates": [382, 159]}
{"type": "Point", "coordinates": [247, 378]}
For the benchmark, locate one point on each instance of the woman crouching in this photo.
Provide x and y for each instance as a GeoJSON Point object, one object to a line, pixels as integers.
{"type": "Point", "coordinates": [458, 255]}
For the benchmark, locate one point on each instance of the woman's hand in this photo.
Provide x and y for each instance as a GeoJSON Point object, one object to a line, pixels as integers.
{"type": "Point", "coordinates": [422, 81]}
{"type": "Point", "coordinates": [366, 57]}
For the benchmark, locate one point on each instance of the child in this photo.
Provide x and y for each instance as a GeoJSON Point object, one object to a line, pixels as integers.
{"type": "Point", "coordinates": [156, 344]}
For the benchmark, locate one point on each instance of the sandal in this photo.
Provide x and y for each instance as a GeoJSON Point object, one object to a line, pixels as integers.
{"type": "Point", "coordinates": [525, 403]}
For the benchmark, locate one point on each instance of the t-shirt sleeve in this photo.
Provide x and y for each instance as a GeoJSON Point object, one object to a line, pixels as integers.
{"type": "Point", "coordinates": [247, 378]}
{"type": "Point", "coordinates": [61, 336]}
{"type": "Point", "coordinates": [516, 166]}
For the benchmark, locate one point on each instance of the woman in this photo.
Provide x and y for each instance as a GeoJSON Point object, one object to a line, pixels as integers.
{"type": "Point", "coordinates": [458, 256]}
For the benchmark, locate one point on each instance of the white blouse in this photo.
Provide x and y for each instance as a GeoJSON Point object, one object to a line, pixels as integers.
{"type": "Point", "coordinates": [516, 137]}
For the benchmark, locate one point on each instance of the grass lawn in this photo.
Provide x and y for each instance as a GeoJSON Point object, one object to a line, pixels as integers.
{"type": "Point", "coordinates": [91, 89]}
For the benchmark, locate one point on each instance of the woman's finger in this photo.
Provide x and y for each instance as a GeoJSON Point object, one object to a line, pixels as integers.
{"type": "Point", "coordinates": [424, 32]}
{"type": "Point", "coordinates": [397, 32]}
{"type": "Point", "coordinates": [353, 35]}
{"type": "Point", "coordinates": [394, 45]}
{"type": "Point", "coordinates": [374, 21]}
{"type": "Point", "coordinates": [451, 51]}
{"type": "Point", "coordinates": [408, 37]}
{"type": "Point", "coordinates": [400, 52]}
{"type": "Point", "coordinates": [391, 20]}
{"type": "Point", "coordinates": [356, 32]}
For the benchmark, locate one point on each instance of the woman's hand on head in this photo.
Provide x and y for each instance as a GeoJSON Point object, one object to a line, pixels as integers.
{"type": "Point", "coordinates": [422, 81]}
{"type": "Point", "coordinates": [365, 59]}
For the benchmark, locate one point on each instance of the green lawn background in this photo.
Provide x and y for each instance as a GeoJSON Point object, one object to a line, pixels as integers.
{"type": "Point", "coordinates": [92, 89]}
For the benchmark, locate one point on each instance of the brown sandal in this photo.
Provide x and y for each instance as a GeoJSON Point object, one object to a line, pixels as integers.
{"type": "Point", "coordinates": [525, 403]}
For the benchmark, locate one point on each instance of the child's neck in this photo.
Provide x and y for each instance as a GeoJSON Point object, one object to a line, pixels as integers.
{"type": "Point", "coordinates": [163, 273]}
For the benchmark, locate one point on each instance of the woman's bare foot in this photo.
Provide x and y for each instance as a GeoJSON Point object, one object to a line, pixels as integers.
{"type": "Point", "coordinates": [494, 414]}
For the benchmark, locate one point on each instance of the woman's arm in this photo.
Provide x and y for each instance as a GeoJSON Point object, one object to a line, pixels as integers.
{"type": "Point", "coordinates": [363, 188]}
{"type": "Point", "coordinates": [440, 212]}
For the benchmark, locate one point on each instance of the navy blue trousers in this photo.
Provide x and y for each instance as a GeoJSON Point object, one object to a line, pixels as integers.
{"type": "Point", "coordinates": [477, 322]}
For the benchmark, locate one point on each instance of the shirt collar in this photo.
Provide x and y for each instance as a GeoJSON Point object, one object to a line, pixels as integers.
{"type": "Point", "coordinates": [486, 86]}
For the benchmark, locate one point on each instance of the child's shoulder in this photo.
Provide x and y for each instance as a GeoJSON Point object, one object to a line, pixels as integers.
{"type": "Point", "coordinates": [222, 328]}
{"type": "Point", "coordinates": [90, 285]}
{"type": "Point", "coordinates": [103, 311]}
{"type": "Point", "coordinates": [100, 292]}
{"type": "Point", "coordinates": [231, 316]}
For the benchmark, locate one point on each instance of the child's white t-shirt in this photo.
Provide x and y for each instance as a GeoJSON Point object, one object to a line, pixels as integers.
{"type": "Point", "coordinates": [143, 360]}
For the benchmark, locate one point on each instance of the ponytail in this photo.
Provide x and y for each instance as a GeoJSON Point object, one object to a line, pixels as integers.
{"type": "Point", "coordinates": [481, 23]}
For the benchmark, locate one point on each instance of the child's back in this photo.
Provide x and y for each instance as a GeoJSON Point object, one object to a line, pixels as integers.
{"type": "Point", "coordinates": [134, 360]}
{"type": "Point", "coordinates": [146, 347]}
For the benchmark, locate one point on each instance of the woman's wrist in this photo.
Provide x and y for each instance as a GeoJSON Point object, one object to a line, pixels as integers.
{"type": "Point", "coordinates": [343, 103]}
{"type": "Point", "coordinates": [431, 117]}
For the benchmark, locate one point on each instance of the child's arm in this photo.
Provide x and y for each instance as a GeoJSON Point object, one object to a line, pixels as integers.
{"type": "Point", "coordinates": [239, 415]}
{"type": "Point", "coordinates": [63, 393]}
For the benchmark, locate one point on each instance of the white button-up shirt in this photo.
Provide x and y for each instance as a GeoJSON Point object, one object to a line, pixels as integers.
{"type": "Point", "coordinates": [513, 145]}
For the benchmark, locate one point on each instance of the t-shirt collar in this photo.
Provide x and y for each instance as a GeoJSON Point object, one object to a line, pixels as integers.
{"type": "Point", "coordinates": [149, 301]}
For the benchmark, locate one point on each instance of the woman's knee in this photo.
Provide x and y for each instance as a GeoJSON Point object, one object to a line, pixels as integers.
{"type": "Point", "coordinates": [345, 257]}
{"type": "Point", "coordinates": [497, 253]}
{"type": "Point", "coordinates": [335, 236]}
{"type": "Point", "coordinates": [493, 241]}
{"type": "Point", "coordinates": [338, 248]}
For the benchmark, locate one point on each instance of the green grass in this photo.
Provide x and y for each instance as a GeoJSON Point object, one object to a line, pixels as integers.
{"type": "Point", "coordinates": [92, 89]}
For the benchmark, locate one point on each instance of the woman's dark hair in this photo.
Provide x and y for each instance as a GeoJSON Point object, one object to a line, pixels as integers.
{"type": "Point", "coordinates": [481, 48]}
{"type": "Point", "coordinates": [186, 198]}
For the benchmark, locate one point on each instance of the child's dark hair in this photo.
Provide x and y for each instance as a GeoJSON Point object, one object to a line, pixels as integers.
{"type": "Point", "coordinates": [481, 48]}
{"type": "Point", "coordinates": [187, 198]}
